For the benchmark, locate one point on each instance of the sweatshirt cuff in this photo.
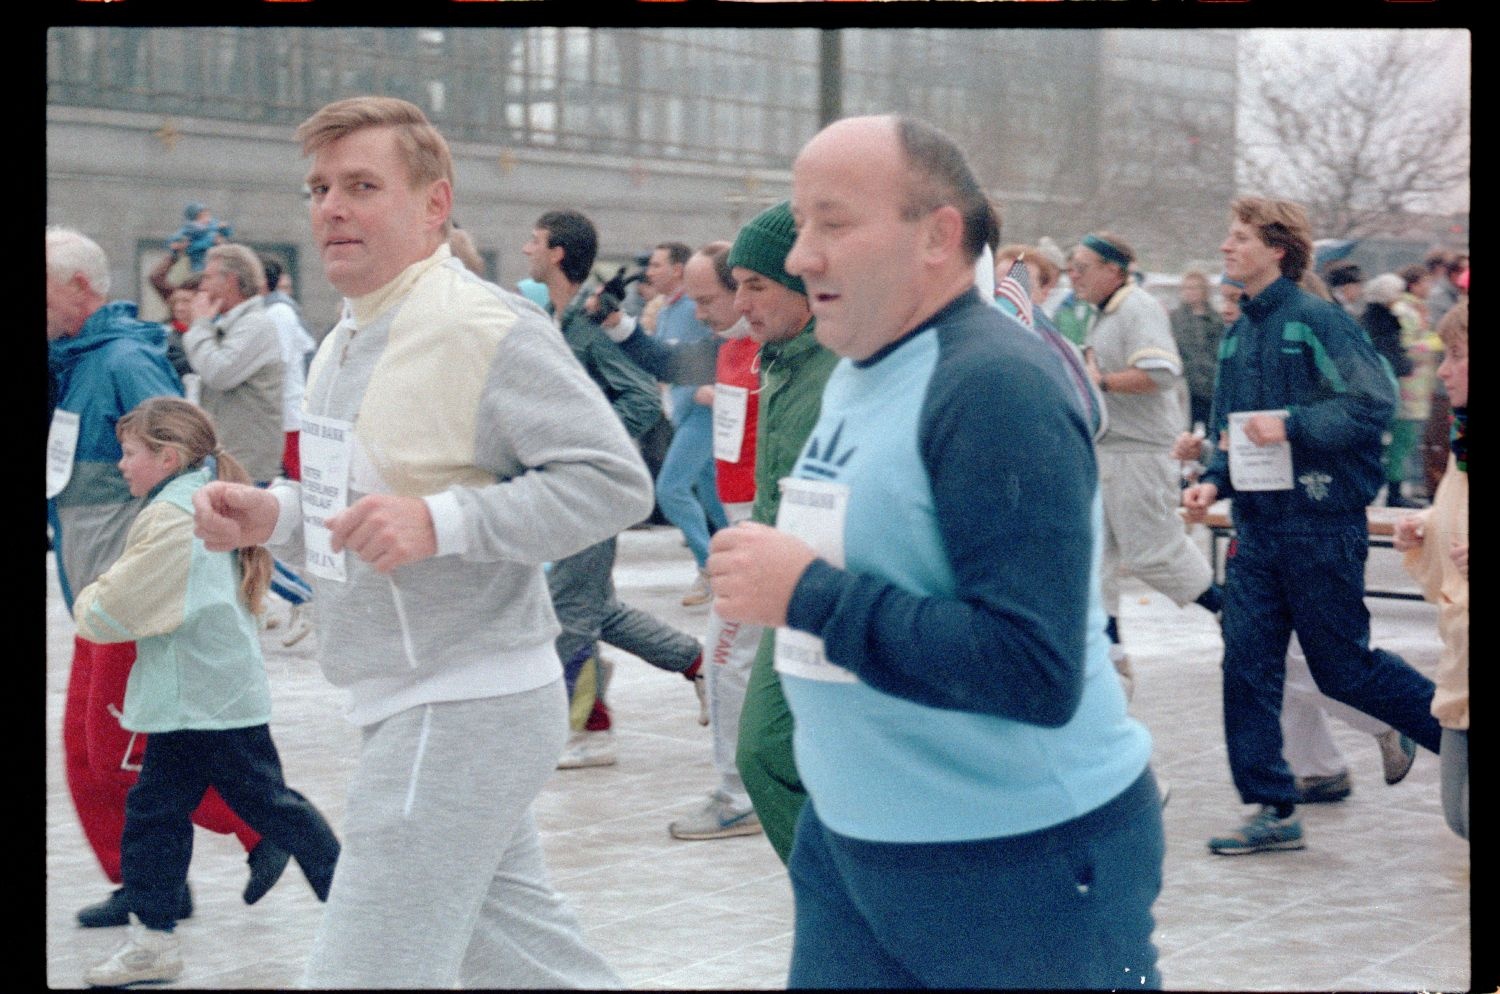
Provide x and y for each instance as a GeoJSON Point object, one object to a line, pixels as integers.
{"type": "Point", "coordinates": [622, 330]}
{"type": "Point", "coordinates": [814, 597]}
{"type": "Point", "coordinates": [447, 523]}
{"type": "Point", "coordinates": [288, 514]}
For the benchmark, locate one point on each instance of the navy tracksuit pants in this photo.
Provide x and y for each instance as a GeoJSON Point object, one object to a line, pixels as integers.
{"type": "Point", "coordinates": [1313, 583]}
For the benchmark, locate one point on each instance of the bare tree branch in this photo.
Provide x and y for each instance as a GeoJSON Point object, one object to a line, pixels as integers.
{"type": "Point", "coordinates": [1360, 141]}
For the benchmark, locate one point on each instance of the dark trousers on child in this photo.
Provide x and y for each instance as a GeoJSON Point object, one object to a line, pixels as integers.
{"type": "Point", "coordinates": [179, 767]}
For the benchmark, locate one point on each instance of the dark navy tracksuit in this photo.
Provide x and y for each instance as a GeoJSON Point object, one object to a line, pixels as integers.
{"type": "Point", "coordinates": [1298, 560]}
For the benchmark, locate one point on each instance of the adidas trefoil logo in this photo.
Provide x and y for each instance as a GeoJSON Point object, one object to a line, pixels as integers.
{"type": "Point", "coordinates": [826, 461]}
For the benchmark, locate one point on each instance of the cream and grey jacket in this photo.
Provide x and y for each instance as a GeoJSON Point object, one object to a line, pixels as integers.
{"type": "Point", "coordinates": [466, 395]}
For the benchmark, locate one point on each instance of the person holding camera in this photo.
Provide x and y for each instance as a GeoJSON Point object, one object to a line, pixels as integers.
{"type": "Point", "coordinates": [560, 255]}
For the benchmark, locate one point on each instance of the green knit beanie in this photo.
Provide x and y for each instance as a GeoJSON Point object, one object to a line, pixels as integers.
{"type": "Point", "coordinates": [763, 243]}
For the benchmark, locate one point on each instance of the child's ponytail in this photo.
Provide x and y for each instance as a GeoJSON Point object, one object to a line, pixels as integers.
{"type": "Point", "coordinates": [255, 560]}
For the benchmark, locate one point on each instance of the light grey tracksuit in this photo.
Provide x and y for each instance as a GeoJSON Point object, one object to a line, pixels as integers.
{"type": "Point", "coordinates": [464, 395]}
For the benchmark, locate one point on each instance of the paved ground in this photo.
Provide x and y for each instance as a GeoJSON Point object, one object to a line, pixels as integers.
{"type": "Point", "coordinates": [1379, 900]}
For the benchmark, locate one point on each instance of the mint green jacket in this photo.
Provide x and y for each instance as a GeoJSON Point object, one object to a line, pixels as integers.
{"type": "Point", "coordinates": [198, 663]}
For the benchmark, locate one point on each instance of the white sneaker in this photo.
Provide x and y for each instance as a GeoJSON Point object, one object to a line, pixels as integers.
{"type": "Point", "coordinates": [587, 748]}
{"type": "Point", "coordinates": [700, 592]}
{"type": "Point", "coordinates": [715, 820]}
{"type": "Point", "coordinates": [146, 956]}
{"type": "Point", "coordinates": [298, 624]}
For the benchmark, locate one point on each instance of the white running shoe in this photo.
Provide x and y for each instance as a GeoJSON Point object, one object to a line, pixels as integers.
{"type": "Point", "coordinates": [587, 748]}
{"type": "Point", "coordinates": [146, 956]}
{"type": "Point", "coordinates": [298, 624]}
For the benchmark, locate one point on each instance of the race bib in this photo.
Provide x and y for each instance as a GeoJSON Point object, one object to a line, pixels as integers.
{"type": "Point", "coordinates": [325, 445]}
{"type": "Point", "coordinates": [62, 445]}
{"type": "Point", "coordinates": [1257, 467]}
{"type": "Point", "coordinates": [814, 511]}
{"type": "Point", "coordinates": [730, 407]}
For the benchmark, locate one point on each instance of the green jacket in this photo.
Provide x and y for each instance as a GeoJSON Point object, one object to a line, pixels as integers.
{"type": "Point", "coordinates": [1198, 337]}
{"type": "Point", "coordinates": [792, 374]}
{"type": "Point", "coordinates": [626, 386]}
{"type": "Point", "coordinates": [1073, 318]}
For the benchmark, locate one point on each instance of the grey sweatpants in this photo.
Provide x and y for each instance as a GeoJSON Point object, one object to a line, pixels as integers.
{"type": "Point", "coordinates": [1453, 771]}
{"type": "Point", "coordinates": [727, 658]}
{"type": "Point", "coordinates": [1142, 530]}
{"type": "Point", "coordinates": [442, 880]}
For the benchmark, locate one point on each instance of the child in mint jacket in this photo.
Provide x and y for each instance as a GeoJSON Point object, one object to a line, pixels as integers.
{"type": "Point", "coordinates": [198, 687]}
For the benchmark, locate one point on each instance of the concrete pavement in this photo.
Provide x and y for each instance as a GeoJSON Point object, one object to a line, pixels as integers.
{"type": "Point", "coordinates": [1379, 899]}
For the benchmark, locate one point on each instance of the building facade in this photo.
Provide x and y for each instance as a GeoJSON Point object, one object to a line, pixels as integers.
{"type": "Point", "coordinates": [656, 133]}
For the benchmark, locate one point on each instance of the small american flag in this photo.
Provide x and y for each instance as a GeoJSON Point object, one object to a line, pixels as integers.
{"type": "Point", "coordinates": [1015, 290]}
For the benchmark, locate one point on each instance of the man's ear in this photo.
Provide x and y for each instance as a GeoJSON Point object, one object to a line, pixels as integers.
{"type": "Point", "coordinates": [943, 233]}
{"type": "Point", "coordinates": [439, 202]}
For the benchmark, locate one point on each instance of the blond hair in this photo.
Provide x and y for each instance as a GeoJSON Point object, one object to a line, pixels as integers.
{"type": "Point", "coordinates": [1280, 224]}
{"type": "Point", "coordinates": [422, 148]}
{"type": "Point", "coordinates": [1454, 327]}
{"type": "Point", "coordinates": [462, 245]}
{"type": "Point", "coordinates": [172, 423]}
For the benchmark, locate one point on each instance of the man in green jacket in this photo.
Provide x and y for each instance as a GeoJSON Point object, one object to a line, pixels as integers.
{"type": "Point", "coordinates": [793, 369]}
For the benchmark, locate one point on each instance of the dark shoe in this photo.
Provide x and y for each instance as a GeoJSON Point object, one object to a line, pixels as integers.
{"type": "Point", "coordinates": [109, 913]}
{"type": "Point", "coordinates": [113, 911]}
{"type": "Point", "coordinates": [1397, 752]}
{"type": "Point", "coordinates": [267, 861]}
{"type": "Point", "coordinates": [1324, 790]}
{"type": "Point", "coordinates": [320, 877]}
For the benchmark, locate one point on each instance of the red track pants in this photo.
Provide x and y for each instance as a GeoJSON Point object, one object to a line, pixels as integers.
{"type": "Point", "coordinates": [95, 748]}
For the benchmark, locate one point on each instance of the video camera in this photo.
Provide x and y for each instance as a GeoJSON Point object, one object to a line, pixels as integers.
{"type": "Point", "coordinates": [612, 292]}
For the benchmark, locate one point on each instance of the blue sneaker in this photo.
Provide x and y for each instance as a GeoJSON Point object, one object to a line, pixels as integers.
{"type": "Point", "coordinates": [1263, 832]}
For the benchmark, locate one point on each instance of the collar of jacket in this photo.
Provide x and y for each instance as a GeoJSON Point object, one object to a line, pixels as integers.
{"type": "Point", "coordinates": [233, 314]}
{"type": "Point", "coordinates": [793, 348]}
{"type": "Point", "coordinates": [1272, 297]}
{"type": "Point", "coordinates": [1118, 297]}
{"type": "Point", "coordinates": [367, 308]}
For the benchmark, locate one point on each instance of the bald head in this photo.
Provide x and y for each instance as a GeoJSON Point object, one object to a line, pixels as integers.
{"type": "Point", "coordinates": [884, 209]}
{"type": "Point", "coordinates": [708, 284]}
